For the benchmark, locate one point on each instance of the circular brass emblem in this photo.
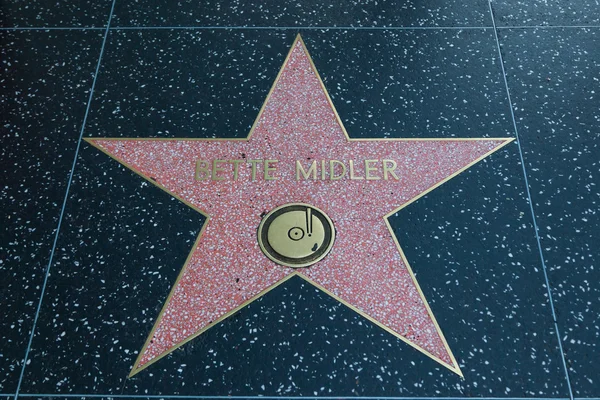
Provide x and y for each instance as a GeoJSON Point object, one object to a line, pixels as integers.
{"type": "Point", "coordinates": [296, 235]}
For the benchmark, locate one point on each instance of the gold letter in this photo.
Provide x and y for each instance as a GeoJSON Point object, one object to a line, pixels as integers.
{"type": "Point", "coordinates": [202, 166]}
{"type": "Point", "coordinates": [368, 170]}
{"type": "Point", "coordinates": [254, 163]}
{"type": "Point", "coordinates": [216, 169]}
{"type": "Point", "coordinates": [236, 163]}
{"type": "Point", "coordinates": [332, 174]}
{"type": "Point", "coordinates": [311, 170]}
{"type": "Point", "coordinates": [352, 177]}
{"type": "Point", "coordinates": [322, 170]}
{"type": "Point", "coordinates": [269, 168]}
{"type": "Point", "coordinates": [391, 169]}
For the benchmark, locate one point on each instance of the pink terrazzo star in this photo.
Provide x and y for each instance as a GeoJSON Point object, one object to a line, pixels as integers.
{"type": "Point", "coordinates": [366, 269]}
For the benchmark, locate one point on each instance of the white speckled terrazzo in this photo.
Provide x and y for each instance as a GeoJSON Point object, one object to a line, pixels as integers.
{"type": "Point", "coordinates": [81, 286]}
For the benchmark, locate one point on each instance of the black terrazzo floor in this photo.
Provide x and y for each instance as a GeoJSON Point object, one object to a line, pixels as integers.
{"type": "Point", "coordinates": [89, 251]}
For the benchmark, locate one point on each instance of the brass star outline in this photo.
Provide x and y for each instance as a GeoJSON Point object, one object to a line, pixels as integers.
{"type": "Point", "coordinates": [454, 368]}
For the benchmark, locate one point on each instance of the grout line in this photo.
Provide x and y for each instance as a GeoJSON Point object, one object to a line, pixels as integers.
{"type": "Point", "coordinates": [52, 28]}
{"type": "Point", "coordinates": [535, 225]}
{"type": "Point", "coordinates": [548, 27]}
{"type": "Point", "coordinates": [365, 28]}
{"type": "Point", "coordinates": [141, 396]}
{"type": "Point", "coordinates": [62, 211]}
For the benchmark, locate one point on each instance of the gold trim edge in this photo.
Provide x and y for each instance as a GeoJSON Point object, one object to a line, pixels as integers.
{"type": "Point", "coordinates": [455, 368]}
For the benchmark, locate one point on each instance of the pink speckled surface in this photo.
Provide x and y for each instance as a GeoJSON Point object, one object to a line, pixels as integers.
{"type": "Point", "coordinates": [364, 268]}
